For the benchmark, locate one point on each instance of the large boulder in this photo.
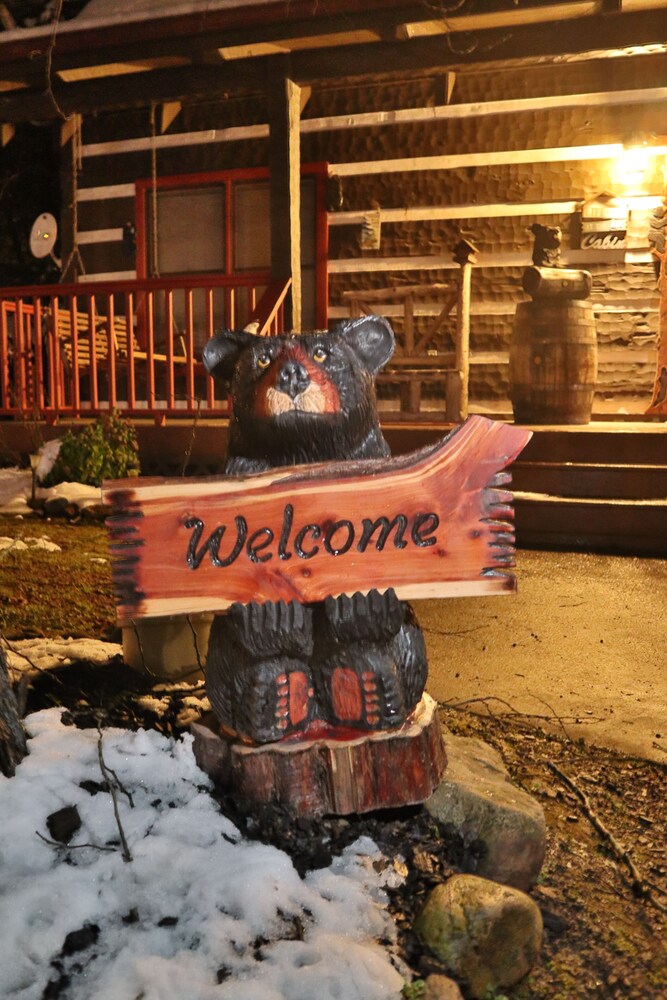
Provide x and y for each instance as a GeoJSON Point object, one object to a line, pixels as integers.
{"type": "Point", "coordinates": [501, 826]}
{"type": "Point", "coordinates": [489, 935]}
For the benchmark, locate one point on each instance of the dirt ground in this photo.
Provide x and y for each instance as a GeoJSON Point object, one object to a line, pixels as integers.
{"type": "Point", "coordinates": [583, 636]}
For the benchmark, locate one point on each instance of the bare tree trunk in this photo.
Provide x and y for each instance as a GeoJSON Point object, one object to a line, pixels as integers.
{"type": "Point", "coordinates": [13, 746]}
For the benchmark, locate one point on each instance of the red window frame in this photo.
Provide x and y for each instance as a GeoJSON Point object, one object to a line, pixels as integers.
{"type": "Point", "coordinates": [226, 179]}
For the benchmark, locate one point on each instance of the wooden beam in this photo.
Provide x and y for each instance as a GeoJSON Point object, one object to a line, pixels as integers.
{"type": "Point", "coordinates": [105, 191]}
{"type": "Point", "coordinates": [597, 36]}
{"type": "Point", "coordinates": [234, 133]}
{"type": "Point", "coordinates": [499, 19]}
{"type": "Point", "coordinates": [6, 18]}
{"type": "Point", "coordinates": [384, 118]}
{"type": "Point", "coordinates": [109, 276]}
{"type": "Point", "coordinates": [491, 210]}
{"type": "Point", "coordinates": [134, 90]}
{"type": "Point", "coordinates": [521, 258]}
{"type": "Point", "coordinates": [464, 256]}
{"type": "Point", "coordinates": [7, 85]}
{"type": "Point", "coordinates": [169, 111]}
{"type": "Point", "coordinates": [68, 183]}
{"type": "Point", "coordinates": [68, 128]}
{"type": "Point", "coordinates": [442, 112]}
{"type": "Point", "coordinates": [500, 157]}
{"type": "Point", "coordinates": [217, 24]}
{"type": "Point", "coordinates": [306, 93]}
{"type": "Point", "coordinates": [105, 70]}
{"type": "Point", "coordinates": [612, 307]}
{"type": "Point", "coordinates": [101, 236]}
{"type": "Point", "coordinates": [593, 37]}
{"type": "Point", "coordinates": [252, 50]}
{"type": "Point", "coordinates": [285, 190]}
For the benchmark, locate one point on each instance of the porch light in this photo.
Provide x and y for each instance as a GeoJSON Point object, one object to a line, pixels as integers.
{"type": "Point", "coordinates": [635, 162]}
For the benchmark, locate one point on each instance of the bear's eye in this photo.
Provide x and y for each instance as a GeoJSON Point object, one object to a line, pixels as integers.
{"type": "Point", "coordinates": [264, 360]}
{"type": "Point", "coordinates": [320, 354]}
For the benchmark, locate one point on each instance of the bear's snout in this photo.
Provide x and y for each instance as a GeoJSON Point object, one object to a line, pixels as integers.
{"type": "Point", "coordinates": [293, 379]}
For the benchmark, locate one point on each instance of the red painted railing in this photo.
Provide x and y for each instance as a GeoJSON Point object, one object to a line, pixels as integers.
{"type": "Point", "coordinates": [132, 346]}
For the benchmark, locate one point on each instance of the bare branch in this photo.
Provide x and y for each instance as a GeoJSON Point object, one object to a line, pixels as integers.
{"type": "Point", "coordinates": [640, 886]}
{"type": "Point", "coordinates": [109, 777]}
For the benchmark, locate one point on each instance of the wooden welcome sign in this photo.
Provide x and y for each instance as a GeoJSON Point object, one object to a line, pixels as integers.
{"type": "Point", "coordinates": [435, 523]}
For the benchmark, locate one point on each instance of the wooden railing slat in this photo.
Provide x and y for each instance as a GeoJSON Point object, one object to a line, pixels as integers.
{"type": "Point", "coordinates": [83, 349]}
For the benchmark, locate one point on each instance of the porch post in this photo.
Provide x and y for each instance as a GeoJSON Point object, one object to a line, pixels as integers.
{"type": "Point", "coordinates": [68, 188]}
{"type": "Point", "coordinates": [285, 187]}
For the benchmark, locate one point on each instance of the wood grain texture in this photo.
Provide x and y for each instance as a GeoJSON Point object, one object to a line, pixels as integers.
{"type": "Point", "coordinates": [190, 545]}
{"type": "Point", "coordinates": [322, 774]}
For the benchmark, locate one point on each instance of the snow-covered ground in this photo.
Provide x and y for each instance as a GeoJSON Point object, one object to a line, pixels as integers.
{"type": "Point", "coordinates": [16, 487]}
{"type": "Point", "coordinates": [199, 913]}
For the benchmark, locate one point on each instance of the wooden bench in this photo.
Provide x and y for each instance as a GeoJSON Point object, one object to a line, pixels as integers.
{"type": "Point", "coordinates": [101, 340]}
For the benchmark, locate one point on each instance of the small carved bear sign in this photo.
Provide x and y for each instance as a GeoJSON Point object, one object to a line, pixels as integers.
{"type": "Point", "coordinates": [546, 247]}
{"type": "Point", "coordinates": [353, 661]}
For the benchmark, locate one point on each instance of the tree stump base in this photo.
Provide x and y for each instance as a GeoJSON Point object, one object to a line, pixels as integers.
{"type": "Point", "coordinates": [331, 771]}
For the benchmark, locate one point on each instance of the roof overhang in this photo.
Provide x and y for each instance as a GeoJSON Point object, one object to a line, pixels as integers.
{"type": "Point", "coordinates": [230, 47]}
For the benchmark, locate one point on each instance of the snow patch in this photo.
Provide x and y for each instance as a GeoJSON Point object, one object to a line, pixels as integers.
{"type": "Point", "coordinates": [48, 454]}
{"type": "Point", "coordinates": [48, 653]}
{"type": "Point", "coordinates": [16, 489]}
{"type": "Point", "coordinates": [199, 912]}
{"type": "Point", "coordinates": [42, 543]}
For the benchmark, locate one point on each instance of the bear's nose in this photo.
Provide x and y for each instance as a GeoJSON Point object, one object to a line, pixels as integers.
{"type": "Point", "coordinates": [293, 379]}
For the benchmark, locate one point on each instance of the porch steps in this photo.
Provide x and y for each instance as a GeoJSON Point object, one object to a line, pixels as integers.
{"type": "Point", "coordinates": [599, 487]}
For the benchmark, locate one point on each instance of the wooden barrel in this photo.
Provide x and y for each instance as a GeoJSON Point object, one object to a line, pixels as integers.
{"type": "Point", "coordinates": [553, 362]}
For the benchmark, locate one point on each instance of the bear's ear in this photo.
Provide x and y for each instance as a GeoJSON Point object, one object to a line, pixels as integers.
{"type": "Point", "coordinates": [222, 351]}
{"type": "Point", "coordinates": [372, 340]}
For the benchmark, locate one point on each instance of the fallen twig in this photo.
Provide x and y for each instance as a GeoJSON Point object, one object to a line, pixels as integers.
{"type": "Point", "coordinates": [196, 645]}
{"type": "Point", "coordinates": [463, 631]}
{"type": "Point", "coordinates": [72, 847]}
{"type": "Point", "coordinates": [137, 636]}
{"type": "Point", "coordinates": [513, 712]}
{"type": "Point", "coordinates": [31, 663]}
{"type": "Point", "coordinates": [188, 450]}
{"type": "Point", "coordinates": [559, 719]}
{"type": "Point", "coordinates": [112, 782]}
{"type": "Point", "coordinates": [640, 886]}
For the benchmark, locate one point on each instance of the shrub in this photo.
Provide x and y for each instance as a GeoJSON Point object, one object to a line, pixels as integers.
{"type": "Point", "coordinates": [107, 449]}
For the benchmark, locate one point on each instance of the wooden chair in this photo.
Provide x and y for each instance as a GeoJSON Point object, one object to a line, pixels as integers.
{"type": "Point", "coordinates": [415, 364]}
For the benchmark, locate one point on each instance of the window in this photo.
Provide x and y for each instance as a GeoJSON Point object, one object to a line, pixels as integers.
{"type": "Point", "coordinates": [219, 224]}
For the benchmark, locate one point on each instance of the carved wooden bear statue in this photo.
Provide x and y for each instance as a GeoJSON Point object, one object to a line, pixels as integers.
{"type": "Point", "coordinates": [356, 661]}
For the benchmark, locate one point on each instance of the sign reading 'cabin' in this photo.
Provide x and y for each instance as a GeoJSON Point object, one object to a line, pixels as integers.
{"type": "Point", "coordinates": [433, 523]}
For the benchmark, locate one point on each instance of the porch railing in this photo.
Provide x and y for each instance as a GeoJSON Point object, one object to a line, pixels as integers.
{"type": "Point", "coordinates": [133, 346]}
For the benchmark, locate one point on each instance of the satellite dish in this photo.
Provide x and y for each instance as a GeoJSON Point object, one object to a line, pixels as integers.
{"type": "Point", "coordinates": [43, 236]}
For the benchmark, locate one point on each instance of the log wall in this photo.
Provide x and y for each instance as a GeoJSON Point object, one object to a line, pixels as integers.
{"type": "Point", "coordinates": [623, 284]}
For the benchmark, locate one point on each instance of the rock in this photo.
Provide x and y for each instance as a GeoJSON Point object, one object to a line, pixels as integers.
{"type": "Point", "coordinates": [43, 543]}
{"type": "Point", "coordinates": [477, 801]}
{"type": "Point", "coordinates": [63, 824]}
{"type": "Point", "coordinates": [60, 506]}
{"type": "Point", "coordinates": [489, 935]}
{"type": "Point", "coordinates": [441, 988]}
{"type": "Point", "coordinates": [12, 544]}
{"type": "Point", "coordinates": [94, 511]}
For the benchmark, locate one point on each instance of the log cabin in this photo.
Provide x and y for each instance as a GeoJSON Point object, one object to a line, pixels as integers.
{"type": "Point", "coordinates": [287, 164]}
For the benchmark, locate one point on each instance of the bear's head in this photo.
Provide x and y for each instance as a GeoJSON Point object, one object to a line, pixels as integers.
{"type": "Point", "coordinates": [302, 397]}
